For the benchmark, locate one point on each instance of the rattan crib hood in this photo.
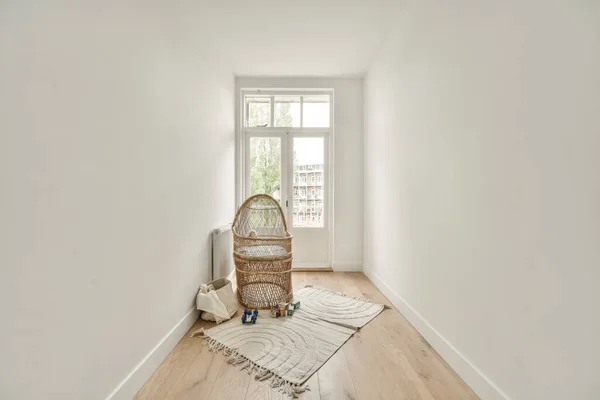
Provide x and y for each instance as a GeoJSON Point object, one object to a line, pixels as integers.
{"type": "Point", "coordinates": [262, 251]}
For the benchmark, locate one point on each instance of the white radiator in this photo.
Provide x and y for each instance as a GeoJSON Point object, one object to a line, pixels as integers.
{"type": "Point", "coordinates": [222, 252]}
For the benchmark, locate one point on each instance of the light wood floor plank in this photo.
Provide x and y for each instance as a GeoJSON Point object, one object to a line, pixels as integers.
{"type": "Point", "coordinates": [386, 359]}
{"type": "Point", "coordinates": [231, 383]}
{"type": "Point", "coordinates": [200, 376]}
{"type": "Point", "coordinates": [258, 390]}
{"type": "Point", "coordinates": [441, 381]}
{"type": "Point", "coordinates": [335, 381]}
{"type": "Point", "coordinates": [314, 390]}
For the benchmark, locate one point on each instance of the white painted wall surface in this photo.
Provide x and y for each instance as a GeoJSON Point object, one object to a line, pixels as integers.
{"type": "Point", "coordinates": [348, 159]}
{"type": "Point", "coordinates": [116, 161]}
{"type": "Point", "coordinates": [482, 189]}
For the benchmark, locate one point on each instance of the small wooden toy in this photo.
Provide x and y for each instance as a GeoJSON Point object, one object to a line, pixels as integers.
{"type": "Point", "coordinates": [284, 309]}
{"type": "Point", "coordinates": [275, 311]}
{"type": "Point", "coordinates": [249, 316]}
{"type": "Point", "coordinates": [278, 310]}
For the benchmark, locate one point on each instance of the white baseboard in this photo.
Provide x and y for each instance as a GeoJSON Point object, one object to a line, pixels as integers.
{"type": "Point", "coordinates": [346, 267]}
{"type": "Point", "coordinates": [318, 265]}
{"type": "Point", "coordinates": [481, 385]}
{"type": "Point", "coordinates": [142, 372]}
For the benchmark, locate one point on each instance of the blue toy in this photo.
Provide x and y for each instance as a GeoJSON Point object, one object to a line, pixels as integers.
{"type": "Point", "coordinates": [249, 316]}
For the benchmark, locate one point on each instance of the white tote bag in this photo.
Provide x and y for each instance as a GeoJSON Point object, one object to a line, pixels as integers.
{"type": "Point", "coordinates": [217, 305]}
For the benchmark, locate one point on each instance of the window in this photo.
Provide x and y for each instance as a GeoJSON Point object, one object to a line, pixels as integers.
{"type": "Point", "coordinates": [315, 111]}
{"type": "Point", "coordinates": [265, 163]}
{"type": "Point", "coordinates": [286, 139]}
{"type": "Point", "coordinates": [309, 156]}
{"type": "Point", "coordinates": [287, 111]}
{"type": "Point", "coordinates": [258, 111]}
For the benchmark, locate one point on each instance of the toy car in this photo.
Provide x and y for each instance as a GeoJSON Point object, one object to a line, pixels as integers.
{"type": "Point", "coordinates": [249, 316]}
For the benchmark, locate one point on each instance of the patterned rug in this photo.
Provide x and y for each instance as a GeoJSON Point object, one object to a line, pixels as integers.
{"type": "Point", "coordinates": [337, 308]}
{"type": "Point", "coordinates": [287, 351]}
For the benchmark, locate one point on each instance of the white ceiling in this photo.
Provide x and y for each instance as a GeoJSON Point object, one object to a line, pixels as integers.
{"type": "Point", "coordinates": [302, 38]}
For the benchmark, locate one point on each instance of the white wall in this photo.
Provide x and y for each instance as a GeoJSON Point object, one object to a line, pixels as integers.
{"type": "Point", "coordinates": [482, 189]}
{"type": "Point", "coordinates": [348, 159]}
{"type": "Point", "coordinates": [116, 161]}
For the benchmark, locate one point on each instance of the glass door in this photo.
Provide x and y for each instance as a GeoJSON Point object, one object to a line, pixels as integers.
{"type": "Point", "coordinates": [308, 217]}
{"type": "Point", "coordinates": [287, 156]}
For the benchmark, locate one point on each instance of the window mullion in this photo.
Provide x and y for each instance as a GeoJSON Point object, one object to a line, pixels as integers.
{"type": "Point", "coordinates": [272, 111]}
{"type": "Point", "coordinates": [301, 111]}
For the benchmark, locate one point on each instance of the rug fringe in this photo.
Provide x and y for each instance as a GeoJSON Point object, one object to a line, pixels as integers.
{"type": "Point", "coordinates": [261, 374]}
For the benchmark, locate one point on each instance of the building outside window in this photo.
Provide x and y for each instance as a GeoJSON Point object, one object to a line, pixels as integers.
{"type": "Point", "coordinates": [308, 199]}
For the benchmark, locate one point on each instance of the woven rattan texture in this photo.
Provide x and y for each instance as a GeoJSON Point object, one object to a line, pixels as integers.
{"type": "Point", "coordinates": [262, 251]}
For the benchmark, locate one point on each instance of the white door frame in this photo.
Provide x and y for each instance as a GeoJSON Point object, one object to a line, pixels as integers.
{"type": "Point", "coordinates": [286, 135]}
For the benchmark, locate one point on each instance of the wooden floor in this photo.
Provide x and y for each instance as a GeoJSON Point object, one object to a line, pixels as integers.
{"type": "Point", "coordinates": [386, 359]}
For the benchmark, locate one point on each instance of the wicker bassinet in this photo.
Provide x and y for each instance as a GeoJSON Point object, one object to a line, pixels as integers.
{"type": "Point", "coordinates": [262, 250]}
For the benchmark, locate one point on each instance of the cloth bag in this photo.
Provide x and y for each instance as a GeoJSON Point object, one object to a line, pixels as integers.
{"type": "Point", "coordinates": [217, 305]}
